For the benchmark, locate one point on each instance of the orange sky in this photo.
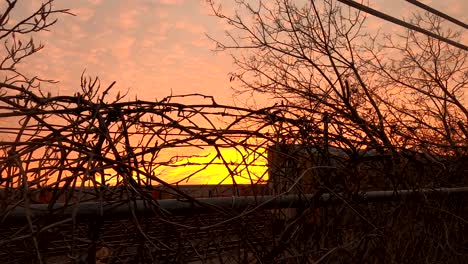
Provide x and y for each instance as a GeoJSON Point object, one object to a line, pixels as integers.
{"type": "Point", "coordinates": [156, 47]}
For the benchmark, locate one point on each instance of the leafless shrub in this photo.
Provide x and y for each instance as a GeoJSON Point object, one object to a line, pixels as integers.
{"type": "Point", "coordinates": [330, 133]}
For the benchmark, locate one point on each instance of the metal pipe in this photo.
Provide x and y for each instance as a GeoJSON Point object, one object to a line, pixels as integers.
{"type": "Point", "coordinates": [126, 208]}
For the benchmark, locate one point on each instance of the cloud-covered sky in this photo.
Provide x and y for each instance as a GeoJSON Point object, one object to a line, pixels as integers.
{"type": "Point", "coordinates": [154, 47]}
{"type": "Point", "coordinates": [150, 47]}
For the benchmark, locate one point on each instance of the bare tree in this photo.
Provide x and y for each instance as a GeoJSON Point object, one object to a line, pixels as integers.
{"type": "Point", "coordinates": [430, 76]}
{"type": "Point", "coordinates": [17, 33]}
{"type": "Point", "coordinates": [319, 60]}
{"type": "Point", "coordinates": [371, 111]}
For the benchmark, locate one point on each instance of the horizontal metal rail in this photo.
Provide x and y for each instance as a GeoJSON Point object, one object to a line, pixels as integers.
{"type": "Point", "coordinates": [125, 209]}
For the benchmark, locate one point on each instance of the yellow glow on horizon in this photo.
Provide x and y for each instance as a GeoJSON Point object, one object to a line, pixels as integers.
{"type": "Point", "coordinates": [206, 167]}
{"type": "Point", "coordinates": [244, 167]}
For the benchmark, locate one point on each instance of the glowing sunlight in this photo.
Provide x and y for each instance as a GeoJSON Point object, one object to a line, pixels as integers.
{"type": "Point", "coordinates": [244, 167]}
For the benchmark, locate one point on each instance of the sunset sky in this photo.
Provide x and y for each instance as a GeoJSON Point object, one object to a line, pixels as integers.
{"type": "Point", "coordinates": [153, 48]}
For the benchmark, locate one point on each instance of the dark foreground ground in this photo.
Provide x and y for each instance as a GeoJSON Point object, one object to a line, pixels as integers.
{"type": "Point", "coordinates": [404, 231]}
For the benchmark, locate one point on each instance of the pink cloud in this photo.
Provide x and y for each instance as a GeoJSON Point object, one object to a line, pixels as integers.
{"type": "Point", "coordinates": [170, 2]}
{"type": "Point", "coordinates": [128, 19]}
{"type": "Point", "coordinates": [84, 13]}
{"type": "Point", "coordinates": [95, 2]}
{"type": "Point", "coordinates": [122, 48]}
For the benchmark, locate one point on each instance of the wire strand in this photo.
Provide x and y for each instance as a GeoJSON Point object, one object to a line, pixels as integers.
{"type": "Point", "coordinates": [401, 23]}
{"type": "Point", "coordinates": [438, 13]}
